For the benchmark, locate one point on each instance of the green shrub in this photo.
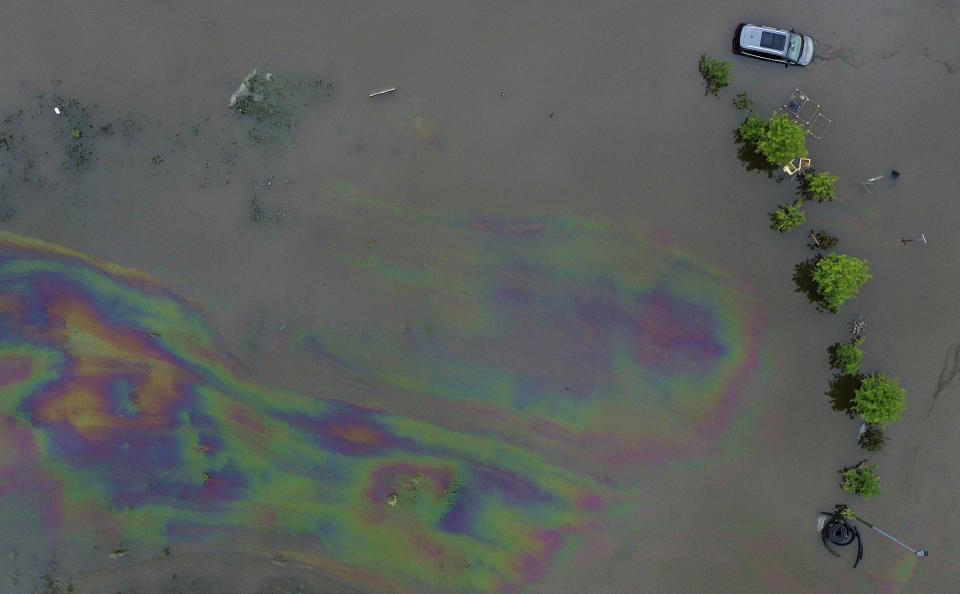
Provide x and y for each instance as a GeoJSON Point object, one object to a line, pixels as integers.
{"type": "Point", "coordinates": [743, 101]}
{"type": "Point", "coordinates": [860, 480]}
{"type": "Point", "coordinates": [879, 399]}
{"type": "Point", "coordinates": [715, 73]}
{"type": "Point", "coordinates": [788, 216]}
{"type": "Point", "coordinates": [847, 358]}
{"type": "Point", "coordinates": [838, 278]}
{"type": "Point", "coordinates": [819, 186]}
{"type": "Point", "coordinates": [872, 439]}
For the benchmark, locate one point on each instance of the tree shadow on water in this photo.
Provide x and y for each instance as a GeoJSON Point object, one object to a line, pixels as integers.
{"type": "Point", "coordinates": [751, 159]}
{"type": "Point", "coordinates": [803, 278]}
{"type": "Point", "coordinates": [843, 388]}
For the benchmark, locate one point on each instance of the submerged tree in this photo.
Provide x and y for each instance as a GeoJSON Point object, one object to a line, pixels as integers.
{"type": "Point", "coordinates": [838, 278]}
{"type": "Point", "coordinates": [715, 73]}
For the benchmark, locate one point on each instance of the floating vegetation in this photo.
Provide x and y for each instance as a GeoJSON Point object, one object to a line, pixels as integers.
{"type": "Point", "coordinates": [260, 215]}
{"type": "Point", "coordinates": [156, 159]}
{"type": "Point", "coordinates": [273, 100]}
{"type": "Point", "coordinates": [119, 552]}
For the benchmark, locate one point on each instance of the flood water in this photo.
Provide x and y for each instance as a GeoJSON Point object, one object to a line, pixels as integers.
{"type": "Point", "coordinates": [519, 325]}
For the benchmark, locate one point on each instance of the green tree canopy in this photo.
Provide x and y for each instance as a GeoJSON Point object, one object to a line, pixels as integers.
{"type": "Point", "coordinates": [879, 399]}
{"type": "Point", "coordinates": [838, 278]}
{"type": "Point", "coordinates": [783, 140]}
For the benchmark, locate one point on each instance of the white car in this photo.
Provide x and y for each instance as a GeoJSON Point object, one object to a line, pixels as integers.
{"type": "Point", "coordinates": [775, 45]}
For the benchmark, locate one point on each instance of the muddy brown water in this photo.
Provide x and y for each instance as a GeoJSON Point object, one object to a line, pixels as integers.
{"type": "Point", "coordinates": [512, 111]}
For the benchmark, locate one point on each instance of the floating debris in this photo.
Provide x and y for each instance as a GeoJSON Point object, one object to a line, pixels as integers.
{"type": "Point", "coordinates": [857, 326]}
{"type": "Point", "coordinates": [273, 100]}
{"type": "Point", "coordinates": [382, 92]}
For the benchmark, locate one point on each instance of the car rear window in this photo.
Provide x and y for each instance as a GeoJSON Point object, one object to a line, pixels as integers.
{"type": "Point", "coordinates": [773, 41]}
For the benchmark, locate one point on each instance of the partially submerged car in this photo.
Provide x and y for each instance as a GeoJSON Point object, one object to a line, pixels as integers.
{"type": "Point", "coordinates": [775, 45]}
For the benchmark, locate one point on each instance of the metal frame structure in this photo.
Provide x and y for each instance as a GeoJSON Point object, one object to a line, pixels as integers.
{"type": "Point", "coordinates": [807, 112]}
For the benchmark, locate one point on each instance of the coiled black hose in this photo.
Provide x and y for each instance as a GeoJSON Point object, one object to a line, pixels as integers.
{"type": "Point", "coordinates": [837, 531]}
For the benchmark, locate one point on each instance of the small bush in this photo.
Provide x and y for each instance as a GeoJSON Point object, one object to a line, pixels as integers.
{"type": "Point", "coordinates": [847, 358]}
{"type": "Point", "coordinates": [872, 439]}
{"type": "Point", "coordinates": [879, 399]}
{"type": "Point", "coordinates": [838, 277]}
{"type": "Point", "coordinates": [822, 240]}
{"type": "Point", "coordinates": [715, 73]}
{"type": "Point", "coordinates": [788, 216]}
{"type": "Point", "coordinates": [861, 480]}
{"type": "Point", "coordinates": [743, 101]}
{"type": "Point", "coordinates": [819, 186]}
{"type": "Point", "coordinates": [752, 129]}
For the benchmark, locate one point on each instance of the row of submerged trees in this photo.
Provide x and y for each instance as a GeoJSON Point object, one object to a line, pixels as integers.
{"type": "Point", "coordinates": [829, 280]}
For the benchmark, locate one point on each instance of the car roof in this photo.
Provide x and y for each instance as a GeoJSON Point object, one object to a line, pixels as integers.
{"type": "Point", "coordinates": [765, 39]}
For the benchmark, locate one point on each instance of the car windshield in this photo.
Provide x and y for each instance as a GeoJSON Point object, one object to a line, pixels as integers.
{"type": "Point", "coordinates": [793, 52]}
